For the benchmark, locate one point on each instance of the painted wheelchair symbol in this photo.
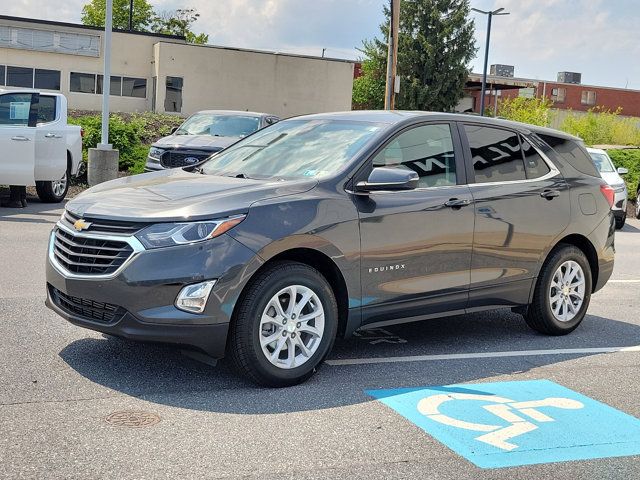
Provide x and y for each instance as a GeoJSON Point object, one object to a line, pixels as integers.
{"type": "Point", "coordinates": [504, 408]}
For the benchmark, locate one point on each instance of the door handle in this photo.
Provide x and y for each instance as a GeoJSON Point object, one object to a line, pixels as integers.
{"type": "Point", "coordinates": [20, 138]}
{"type": "Point", "coordinates": [550, 194]}
{"type": "Point", "coordinates": [457, 203]}
{"type": "Point", "coordinates": [52, 135]}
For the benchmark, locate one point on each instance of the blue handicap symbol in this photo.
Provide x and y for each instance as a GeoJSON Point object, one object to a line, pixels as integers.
{"type": "Point", "coordinates": [508, 424]}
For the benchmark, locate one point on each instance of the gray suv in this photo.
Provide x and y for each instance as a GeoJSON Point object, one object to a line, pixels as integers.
{"type": "Point", "coordinates": [203, 134]}
{"type": "Point", "coordinates": [314, 227]}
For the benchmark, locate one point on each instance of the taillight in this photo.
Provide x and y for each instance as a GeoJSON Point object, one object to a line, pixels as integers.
{"type": "Point", "coordinates": [608, 193]}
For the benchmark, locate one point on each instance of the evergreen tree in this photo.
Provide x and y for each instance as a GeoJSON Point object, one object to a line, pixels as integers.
{"type": "Point", "coordinates": [435, 45]}
{"type": "Point", "coordinates": [93, 13]}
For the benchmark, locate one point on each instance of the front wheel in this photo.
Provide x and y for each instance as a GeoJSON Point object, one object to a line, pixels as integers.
{"type": "Point", "coordinates": [53, 191]}
{"type": "Point", "coordinates": [562, 294]}
{"type": "Point", "coordinates": [285, 325]}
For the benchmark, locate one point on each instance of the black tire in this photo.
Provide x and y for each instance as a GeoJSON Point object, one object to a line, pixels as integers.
{"type": "Point", "coordinates": [638, 206]}
{"type": "Point", "coordinates": [620, 221]}
{"type": "Point", "coordinates": [244, 347]}
{"type": "Point", "coordinates": [48, 193]}
{"type": "Point", "coordinates": [539, 315]}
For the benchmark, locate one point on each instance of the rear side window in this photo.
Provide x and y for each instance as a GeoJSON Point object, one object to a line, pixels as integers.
{"type": "Point", "coordinates": [573, 153]}
{"type": "Point", "coordinates": [535, 166]}
{"type": "Point", "coordinates": [496, 154]}
{"type": "Point", "coordinates": [46, 109]}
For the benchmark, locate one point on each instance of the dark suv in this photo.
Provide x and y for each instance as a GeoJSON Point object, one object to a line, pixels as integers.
{"type": "Point", "coordinates": [319, 225]}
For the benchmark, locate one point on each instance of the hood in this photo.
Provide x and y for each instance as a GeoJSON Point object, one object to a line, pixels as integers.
{"type": "Point", "coordinates": [173, 195]}
{"type": "Point", "coordinates": [200, 142]}
{"type": "Point", "coordinates": [612, 178]}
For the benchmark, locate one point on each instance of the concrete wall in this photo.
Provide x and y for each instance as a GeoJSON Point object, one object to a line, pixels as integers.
{"type": "Point", "coordinates": [284, 85]}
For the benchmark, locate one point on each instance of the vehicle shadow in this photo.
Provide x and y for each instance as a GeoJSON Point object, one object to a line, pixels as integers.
{"type": "Point", "coordinates": [161, 374]}
{"type": "Point", "coordinates": [628, 227]}
{"type": "Point", "coordinates": [45, 212]}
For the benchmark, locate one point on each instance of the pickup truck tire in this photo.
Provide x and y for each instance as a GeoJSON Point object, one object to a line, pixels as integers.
{"type": "Point", "coordinates": [53, 191]}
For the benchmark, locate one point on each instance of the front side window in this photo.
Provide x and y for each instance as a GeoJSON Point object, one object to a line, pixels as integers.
{"type": "Point", "coordinates": [427, 150]}
{"type": "Point", "coordinates": [496, 154]}
{"type": "Point", "coordinates": [219, 125]}
{"type": "Point", "coordinates": [294, 149]}
{"type": "Point", "coordinates": [15, 109]}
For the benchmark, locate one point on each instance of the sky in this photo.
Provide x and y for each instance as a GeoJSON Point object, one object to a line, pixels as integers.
{"type": "Point", "coordinates": [599, 38]}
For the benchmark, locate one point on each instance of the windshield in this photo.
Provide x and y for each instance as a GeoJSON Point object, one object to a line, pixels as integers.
{"type": "Point", "coordinates": [603, 164]}
{"type": "Point", "coordinates": [219, 125]}
{"type": "Point", "coordinates": [294, 149]}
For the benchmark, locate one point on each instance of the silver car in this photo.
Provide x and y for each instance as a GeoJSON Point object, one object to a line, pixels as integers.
{"type": "Point", "coordinates": [612, 177]}
{"type": "Point", "coordinates": [203, 134]}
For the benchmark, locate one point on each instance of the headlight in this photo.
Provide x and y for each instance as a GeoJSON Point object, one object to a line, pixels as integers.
{"type": "Point", "coordinates": [155, 152]}
{"type": "Point", "coordinates": [170, 234]}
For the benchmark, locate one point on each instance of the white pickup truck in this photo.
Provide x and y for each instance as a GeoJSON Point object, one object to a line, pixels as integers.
{"type": "Point", "coordinates": [37, 147]}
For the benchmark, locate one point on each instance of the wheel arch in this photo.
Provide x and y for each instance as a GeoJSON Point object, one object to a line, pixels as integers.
{"type": "Point", "coordinates": [585, 245]}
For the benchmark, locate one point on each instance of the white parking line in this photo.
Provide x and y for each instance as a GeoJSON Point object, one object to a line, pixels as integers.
{"type": "Point", "coordinates": [465, 356]}
{"type": "Point", "coordinates": [623, 281]}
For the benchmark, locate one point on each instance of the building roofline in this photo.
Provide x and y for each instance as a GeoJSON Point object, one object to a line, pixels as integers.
{"type": "Point", "coordinates": [497, 79]}
{"type": "Point", "coordinates": [38, 21]}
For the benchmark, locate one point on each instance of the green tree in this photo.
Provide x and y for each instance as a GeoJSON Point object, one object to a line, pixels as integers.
{"type": "Point", "coordinates": [93, 13]}
{"type": "Point", "coordinates": [534, 111]}
{"type": "Point", "coordinates": [368, 89]}
{"type": "Point", "coordinates": [179, 22]}
{"type": "Point", "coordinates": [435, 46]}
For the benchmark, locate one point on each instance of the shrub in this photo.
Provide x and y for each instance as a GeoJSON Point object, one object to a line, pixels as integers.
{"type": "Point", "coordinates": [603, 127]}
{"type": "Point", "coordinates": [629, 159]}
{"type": "Point", "coordinates": [534, 111]}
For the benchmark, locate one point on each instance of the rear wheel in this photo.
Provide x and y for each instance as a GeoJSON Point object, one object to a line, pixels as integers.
{"type": "Point", "coordinates": [285, 325]}
{"type": "Point", "coordinates": [620, 221]}
{"type": "Point", "coordinates": [638, 205]}
{"type": "Point", "coordinates": [562, 294]}
{"type": "Point", "coordinates": [53, 191]}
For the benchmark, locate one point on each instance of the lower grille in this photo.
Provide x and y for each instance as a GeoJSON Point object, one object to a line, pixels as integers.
{"type": "Point", "coordinates": [87, 309]}
{"type": "Point", "coordinates": [92, 256]}
{"type": "Point", "coordinates": [182, 158]}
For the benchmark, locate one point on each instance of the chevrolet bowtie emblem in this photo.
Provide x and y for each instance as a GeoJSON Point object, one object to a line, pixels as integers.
{"type": "Point", "coordinates": [80, 225]}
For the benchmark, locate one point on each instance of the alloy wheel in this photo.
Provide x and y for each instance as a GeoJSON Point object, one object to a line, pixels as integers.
{"type": "Point", "coordinates": [59, 186]}
{"type": "Point", "coordinates": [292, 326]}
{"type": "Point", "coordinates": [566, 293]}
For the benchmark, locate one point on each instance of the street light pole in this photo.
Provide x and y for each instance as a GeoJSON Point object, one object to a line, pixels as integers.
{"type": "Point", "coordinates": [489, 15]}
{"type": "Point", "coordinates": [106, 76]}
{"type": "Point", "coordinates": [130, 15]}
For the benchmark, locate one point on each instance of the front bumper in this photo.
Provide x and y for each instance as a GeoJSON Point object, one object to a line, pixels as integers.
{"type": "Point", "coordinates": [619, 207]}
{"type": "Point", "coordinates": [143, 292]}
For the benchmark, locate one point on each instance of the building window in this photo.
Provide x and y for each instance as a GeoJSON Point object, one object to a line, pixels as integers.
{"type": "Point", "coordinates": [82, 82]}
{"type": "Point", "coordinates": [2, 70]}
{"type": "Point", "coordinates": [114, 89]}
{"type": "Point", "coordinates": [20, 77]}
{"type": "Point", "coordinates": [134, 87]}
{"type": "Point", "coordinates": [173, 96]}
{"type": "Point", "coordinates": [47, 79]}
{"type": "Point", "coordinates": [559, 95]}
{"type": "Point", "coordinates": [588, 97]}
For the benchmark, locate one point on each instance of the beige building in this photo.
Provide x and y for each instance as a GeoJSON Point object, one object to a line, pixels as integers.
{"type": "Point", "coordinates": [162, 73]}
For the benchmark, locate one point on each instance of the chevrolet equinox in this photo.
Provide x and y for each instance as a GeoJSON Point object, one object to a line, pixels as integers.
{"type": "Point", "coordinates": [319, 225]}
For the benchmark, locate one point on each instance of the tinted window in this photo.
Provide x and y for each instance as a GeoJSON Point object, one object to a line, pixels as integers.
{"type": "Point", "coordinates": [533, 162]}
{"type": "Point", "coordinates": [20, 77]}
{"type": "Point", "coordinates": [82, 82]}
{"type": "Point", "coordinates": [47, 79]}
{"type": "Point", "coordinates": [46, 109]}
{"type": "Point", "coordinates": [173, 95]}
{"type": "Point", "coordinates": [15, 109]}
{"type": "Point", "coordinates": [573, 153]}
{"type": "Point", "coordinates": [1, 74]}
{"type": "Point", "coordinates": [115, 87]}
{"type": "Point", "coordinates": [496, 154]}
{"type": "Point", "coordinates": [134, 87]}
{"type": "Point", "coordinates": [427, 150]}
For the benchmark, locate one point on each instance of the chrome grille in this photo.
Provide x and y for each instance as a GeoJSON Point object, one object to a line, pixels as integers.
{"type": "Point", "coordinates": [104, 226]}
{"type": "Point", "coordinates": [177, 158]}
{"type": "Point", "coordinates": [87, 309]}
{"type": "Point", "coordinates": [89, 255]}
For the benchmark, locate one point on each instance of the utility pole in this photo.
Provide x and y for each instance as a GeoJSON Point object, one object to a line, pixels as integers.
{"type": "Point", "coordinates": [489, 14]}
{"type": "Point", "coordinates": [392, 57]}
{"type": "Point", "coordinates": [323, 50]}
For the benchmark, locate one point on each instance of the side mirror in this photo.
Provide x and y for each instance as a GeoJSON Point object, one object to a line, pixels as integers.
{"type": "Point", "coordinates": [173, 130]}
{"type": "Point", "coordinates": [622, 171]}
{"type": "Point", "coordinates": [384, 178]}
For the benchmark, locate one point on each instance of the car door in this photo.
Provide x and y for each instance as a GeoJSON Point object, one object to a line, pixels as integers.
{"type": "Point", "coordinates": [17, 138]}
{"type": "Point", "coordinates": [521, 205]}
{"type": "Point", "coordinates": [416, 244]}
{"type": "Point", "coordinates": [51, 145]}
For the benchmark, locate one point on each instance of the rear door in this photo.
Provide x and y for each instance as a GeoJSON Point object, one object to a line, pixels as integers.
{"type": "Point", "coordinates": [17, 138]}
{"type": "Point", "coordinates": [416, 244]}
{"type": "Point", "coordinates": [51, 145]}
{"type": "Point", "coordinates": [521, 206]}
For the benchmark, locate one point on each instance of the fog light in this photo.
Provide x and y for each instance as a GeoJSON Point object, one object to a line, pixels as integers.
{"type": "Point", "coordinates": [193, 298]}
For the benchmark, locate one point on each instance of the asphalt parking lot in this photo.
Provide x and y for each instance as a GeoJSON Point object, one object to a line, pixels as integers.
{"type": "Point", "coordinates": [59, 383]}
